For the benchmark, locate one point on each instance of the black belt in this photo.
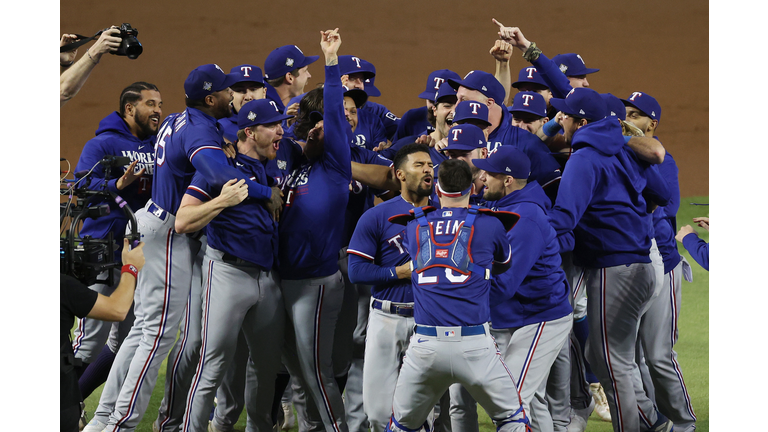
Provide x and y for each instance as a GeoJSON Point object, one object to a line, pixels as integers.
{"type": "Point", "coordinates": [231, 259]}
{"type": "Point", "coordinates": [400, 309]}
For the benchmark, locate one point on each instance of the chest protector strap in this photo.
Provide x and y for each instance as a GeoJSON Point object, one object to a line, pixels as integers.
{"type": "Point", "coordinates": [454, 255]}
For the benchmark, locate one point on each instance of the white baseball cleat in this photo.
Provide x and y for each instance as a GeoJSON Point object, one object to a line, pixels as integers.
{"type": "Point", "coordinates": [94, 426]}
{"type": "Point", "coordinates": [579, 418]}
{"type": "Point", "coordinates": [289, 420]}
{"type": "Point", "coordinates": [601, 402]}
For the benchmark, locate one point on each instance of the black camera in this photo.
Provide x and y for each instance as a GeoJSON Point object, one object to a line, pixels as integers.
{"type": "Point", "coordinates": [86, 258]}
{"type": "Point", "coordinates": [130, 46]}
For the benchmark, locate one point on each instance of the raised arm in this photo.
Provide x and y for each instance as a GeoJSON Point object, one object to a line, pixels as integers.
{"type": "Point", "coordinates": [73, 79]}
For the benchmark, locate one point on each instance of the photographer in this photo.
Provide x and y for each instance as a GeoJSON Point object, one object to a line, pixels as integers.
{"type": "Point", "coordinates": [73, 76]}
{"type": "Point", "coordinates": [129, 132]}
{"type": "Point", "coordinates": [77, 300]}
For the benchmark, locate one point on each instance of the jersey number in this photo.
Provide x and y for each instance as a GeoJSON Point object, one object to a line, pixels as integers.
{"type": "Point", "coordinates": [449, 274]}
{"type": "Point", "coordinates": [164, 133]}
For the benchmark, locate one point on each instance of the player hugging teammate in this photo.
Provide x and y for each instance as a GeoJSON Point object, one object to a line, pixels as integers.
{"type": "Point", "coordinates": [535, 274]}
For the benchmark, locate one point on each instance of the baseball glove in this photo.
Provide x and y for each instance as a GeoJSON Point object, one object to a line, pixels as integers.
{"type": "Point", "coordinates": [628, 129]}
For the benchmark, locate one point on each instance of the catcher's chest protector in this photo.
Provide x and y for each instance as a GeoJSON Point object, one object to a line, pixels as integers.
{"type": "Point", "coordinates": [454, 255]}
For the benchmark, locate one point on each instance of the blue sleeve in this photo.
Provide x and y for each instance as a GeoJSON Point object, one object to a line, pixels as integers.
{"type": "Point", "coordinates": [574, 194]}
{"type": "Point", "coordinates": [656, 187]}
{"type": "Point", "coordinates": [527, 245]}
{"type": "Point", "coordinates": [335, 126]}
{"type": "Point", "coordinates": [363, 271]}
{"type": "Point", "coordinates": [388, 119]}
{"type": "Point", "coordinates": [558, 83]}
{"type": "Point", "coordinates": [212, 164]}
{"type": "Point", "coordinates": [566, 241]}
{"type": "Point", "coordinates": [502, 254]}
{"type": "Point", "coordinates": [669, 172]}
{"type": "Point", "coordinates": [698, 248]}
{"type": "Point", "coordinates": [92, 153]}
{"type": "Point", "coordinates": [199, 188]}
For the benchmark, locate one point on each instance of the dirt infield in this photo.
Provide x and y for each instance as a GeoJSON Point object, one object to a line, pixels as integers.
{"type": "Point", "coordinates": [660, 48]}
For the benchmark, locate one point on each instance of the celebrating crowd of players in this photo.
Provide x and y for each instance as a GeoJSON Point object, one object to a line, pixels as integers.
{"type": "Point", "coordinates": [501, 213]}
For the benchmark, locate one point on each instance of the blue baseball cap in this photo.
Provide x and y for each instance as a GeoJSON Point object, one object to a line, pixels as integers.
{"type": "Point", "coordinates": [572, 65]}
{"type": "Point", "coordinates": [444, 91]}
{"type": "Point", "coordinates": [508, 160]}
{"type": "Point", "coordinates": [471, 110]}
{"type": "Point", "coordinates": [259, 112]}
{"type": "Point", "coordinates": [205, 80]}
{"type": "Point", "coordinates": [285, 59]}
{"type": "Point", "coordinates": [581, 102]}
{"type": "Point", "coordinates": [248, 73]}
{"type": "Point", "coordinates": [615, 106]}
{"type": "Point", "coordinates": [349, 64]}
{"type": "Point", "coordinates": [645, 103]}
{"type": "Point", "coordinates": [370, 88]}
{"type": "Point", "coordinates": [483, 82]}
{"type": "Point", "coordinates": [435, 81]}
{"type": "Point", "coordinates": [529, 102]}
{"type": "Point", "coordinates": [465, 137]}
{"type": "Point", "coordinates": [531, 75]}
{"type": "Point", "coordinates": [357, 95]}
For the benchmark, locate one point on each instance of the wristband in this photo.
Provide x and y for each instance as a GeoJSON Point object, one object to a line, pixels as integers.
{"type": "Point", "coordinates": [130, 268]}
{"type": "Point", "coordinates": [626, 139]}
{"type": "Point", "coordinates": [551, 128]}
{"type": "Point", "coordinates": [91, 57]}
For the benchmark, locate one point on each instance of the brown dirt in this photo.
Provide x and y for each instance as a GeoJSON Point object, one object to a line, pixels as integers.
{"type": "Point", "coordinates": [660, 49]}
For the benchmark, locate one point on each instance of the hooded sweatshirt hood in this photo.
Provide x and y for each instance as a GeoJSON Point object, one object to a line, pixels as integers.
{"type": "Point", "coordinates": [604, 135]}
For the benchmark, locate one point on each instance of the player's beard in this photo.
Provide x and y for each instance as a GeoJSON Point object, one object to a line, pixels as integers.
{"type": "Point", "coordinates": [146, 128]}
{"type": "Point", "coordinates": [422, 191]}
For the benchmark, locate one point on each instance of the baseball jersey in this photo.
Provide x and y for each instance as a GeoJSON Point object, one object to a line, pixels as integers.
{"type": "Point", "coordinates": [544, 167]}
{"type": "Point", "coordinates": [534, 289]}
{"type": "Point", "coordinates": [601, 199]}
{"type": "Point", "coordinates": [388, 119]}
{"type": "Point", "coordinates": [369, 131]}
{"type": "Point", "coordinates": [183, 136]}
{"type": "Point", "coordinates": [246, 230]}
{"type": "Point", "coordinates": [413, 122]}
{"type": "Point", "coordinates": [382, 242]}
{"type": "Point", "coordinates": [443, 296]}
{"type": "Point", "coordinates": [114, 138]}
{"type": "Point", "coordinates": [316, 193]}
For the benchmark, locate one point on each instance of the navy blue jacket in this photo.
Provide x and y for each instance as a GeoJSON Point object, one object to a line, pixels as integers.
{"type": "Point", "coordinates": [601, 198]}
{"type": "Point", "coordinates": [534, 289]}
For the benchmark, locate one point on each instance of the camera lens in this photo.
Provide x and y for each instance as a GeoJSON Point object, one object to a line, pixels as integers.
{"type": "Point", "coordinates": [131, 47]}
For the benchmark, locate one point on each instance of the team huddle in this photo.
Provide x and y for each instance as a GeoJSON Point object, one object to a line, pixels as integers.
{"type": "Point", "coordinates": [314, 251]}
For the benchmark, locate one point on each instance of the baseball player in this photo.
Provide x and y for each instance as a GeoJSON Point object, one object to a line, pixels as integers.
{"type": "Point", "coordinates": [481, 87]}
{"type": "Point", "coordinates": [388, 119]}
{"type": "Point", "coordinates": [417, 121]}
{"type": "Point", "coordinates": [455, 250]}
{"type": "Point", "coordinates": [529, 79]}
{"type": "Point", "coordinates": [442, 112]}
{"type": "Point", "coordinates": [467, 142]}
{"type": "Point", "coordinates": [250, 86]}
{"type": "Point", "coordinates": [187, 142]}
{"type": "Point", "coordinates": [241, 288]}
{"type": "Point", "coordinates": [316, 193]}
{"type": "Point", "coordinates": [531, 314]}
{"type": "Point", "coordinates": [658, 328]}
{"type": "Point", "coordinates": [286, 71]}
{"type": "Point", "coordinates": [377, 257]}
{"type": "Point", "coordinates": [529, 111]}
{"type": "Point", "coordinates": [698, 248]}
{"type": "Point", "coordinates": [129, 132]}
{"type": "Point", "coordinates": [613, 244]}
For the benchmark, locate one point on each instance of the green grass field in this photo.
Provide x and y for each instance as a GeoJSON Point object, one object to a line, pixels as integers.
{"type": "Point", "coordinates": [692, 346]}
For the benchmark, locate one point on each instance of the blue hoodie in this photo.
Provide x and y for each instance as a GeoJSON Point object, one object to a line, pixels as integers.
{"type": "Point", "coordinates": [534, 289]}
{"type": "Point", "coordinates": [114, 138]}
{"type": "Point", "coordinates": [601, 198]}
{"type": "Point", "coordinates": [665, 218]}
